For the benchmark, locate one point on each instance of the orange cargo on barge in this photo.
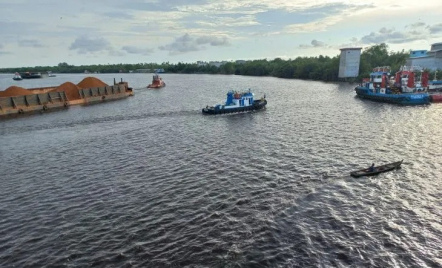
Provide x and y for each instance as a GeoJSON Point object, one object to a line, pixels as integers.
{"type": "Point", "coordinates": [18, 100]}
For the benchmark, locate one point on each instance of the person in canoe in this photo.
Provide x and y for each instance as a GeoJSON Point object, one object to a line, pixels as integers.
{"type": "Point", "coordinates": [371, 168]}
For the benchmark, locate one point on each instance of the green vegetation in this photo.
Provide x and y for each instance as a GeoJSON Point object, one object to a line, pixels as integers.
{"type": "Point", "coordinates": [314, 68]}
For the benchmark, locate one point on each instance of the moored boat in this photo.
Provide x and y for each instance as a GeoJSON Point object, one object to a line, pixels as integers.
{"type": "Point", "coordinates": [157, 82]}
{"type": "Point", "coordinates": [405, 90]}
{"type": "Point", "coordinates": [376, 170]}
{"type": "Point", "coordinates": [237, 102]}
{"type": "Point", "coordinates": [436, 97]}
{"type": "Point", "coordinates": [435, 85]}
{"type": "Point", "coordinates": [17, 77]}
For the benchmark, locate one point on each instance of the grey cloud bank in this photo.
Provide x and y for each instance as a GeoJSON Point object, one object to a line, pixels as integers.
{"type": "Point", "coordinates": [137, 50]}
{"type": "Point", "coordinates": [85, 44]}
{"type": "Point", "coordinates": [186, 43]}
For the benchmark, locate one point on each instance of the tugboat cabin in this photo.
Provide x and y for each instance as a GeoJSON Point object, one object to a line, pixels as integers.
{"type": "Point", "coordinates": [235, 99]}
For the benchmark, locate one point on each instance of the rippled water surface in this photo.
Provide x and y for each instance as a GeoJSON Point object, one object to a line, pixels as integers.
{"type": "Point", "coordinates": [149, 181]}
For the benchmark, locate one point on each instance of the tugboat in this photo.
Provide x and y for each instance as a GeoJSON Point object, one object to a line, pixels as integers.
{"type": "Point", "coordinates": [157, 82]}
{"type": "Point", "coordinates": [237, 102]}
{"type": "Point", "coordinates": [17, 77]}
{"type": "Point", "coordinates": [404, 91]}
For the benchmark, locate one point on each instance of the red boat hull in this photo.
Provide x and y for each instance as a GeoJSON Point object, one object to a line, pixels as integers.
{"type": "Point", "coordinates": [436, 98]}
{"type": "Point", "coordinates": [156, 85]}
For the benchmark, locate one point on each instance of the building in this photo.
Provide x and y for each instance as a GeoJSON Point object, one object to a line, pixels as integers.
{"type": "Point", "coordinates": [201, 63]}
{"type": "Point", "coordinates": [217, 63]}
{"type": "Point", "coordinates": [143, 70]}
{"type": "Point", "coordinates": [427, 59]}
{"type": "Point", "coordinates": [349, 62]}
{"type": "Point", "coordinates": [418, 53]}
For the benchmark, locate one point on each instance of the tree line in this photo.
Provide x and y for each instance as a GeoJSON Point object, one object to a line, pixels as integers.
{"type": "Point", "coordinates": [321, 68]}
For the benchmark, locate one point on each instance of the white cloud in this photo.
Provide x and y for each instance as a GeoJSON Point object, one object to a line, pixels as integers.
{"type": "Point", "coordinates": [30, 43]}
{"type": "Point", "coordinates": [115, 53]}
{"type": "Point", "coordinates": [416, 25]}
{"type": "Point", "coordinates": [316, 26]}
{"type": "Point", "coordinates": [118, 15]}
{"type": "Point", "coordinates": [212, 40]}
{"type": "Point", "coordinates": [226, 21]}
{"type": "Point", "coordinates": [2, 52]}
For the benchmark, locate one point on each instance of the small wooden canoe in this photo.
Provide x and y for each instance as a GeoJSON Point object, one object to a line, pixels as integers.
{"type": "Point", "coordinates": [377, 170]}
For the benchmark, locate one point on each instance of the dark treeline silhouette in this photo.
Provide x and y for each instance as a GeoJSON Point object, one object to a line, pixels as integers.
{"type": "Point", "coordinates": [321, 68]}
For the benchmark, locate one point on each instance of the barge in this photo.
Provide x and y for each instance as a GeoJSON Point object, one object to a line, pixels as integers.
{"type": "Point", "coordinates": [31, 75]}
{"type": "Point", "coordinates": [16, 100]}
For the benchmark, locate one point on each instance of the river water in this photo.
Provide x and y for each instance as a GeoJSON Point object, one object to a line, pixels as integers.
{"type": "Point", "coordinates": [149, 181]}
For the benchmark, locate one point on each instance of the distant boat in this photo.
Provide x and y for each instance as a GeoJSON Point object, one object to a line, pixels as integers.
{"type": "Point", "coordinates": [376, 170]}
{"type": "Point", "coordinates": [157, 82]}
{"type": "Point", "coordinates": [29, 75]}
{"type": "Point", "coordinates": [50, 74]}
{"type": "Point", "coordinates": [17, 77]}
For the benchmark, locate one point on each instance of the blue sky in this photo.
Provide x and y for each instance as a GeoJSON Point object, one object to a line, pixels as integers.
{"type": "Point", "coordinates": [47, 32]}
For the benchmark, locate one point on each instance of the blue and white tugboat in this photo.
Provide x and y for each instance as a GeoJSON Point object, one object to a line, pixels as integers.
{"type": "Point", "coordinates": [237, 102]}
{"type": "Point", "coordinates": [405, 90]}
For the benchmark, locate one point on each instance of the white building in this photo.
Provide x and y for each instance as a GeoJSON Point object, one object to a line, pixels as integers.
{"type": "Point", "coordinates": [427, 59]}
{"type": "Point", "coordinates": [349, 62]}
{"type": "Point", "coordinates": [217, 63]}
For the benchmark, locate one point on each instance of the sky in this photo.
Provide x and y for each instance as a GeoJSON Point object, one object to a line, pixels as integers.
{"type": "Point", "coordinates": [80, 32]}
